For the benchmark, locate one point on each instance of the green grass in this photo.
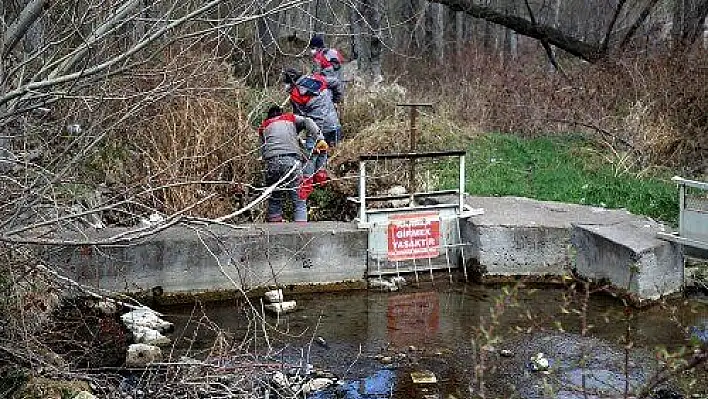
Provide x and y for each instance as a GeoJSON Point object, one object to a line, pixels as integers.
{"type": "Point", "coordinates": [565, 169]}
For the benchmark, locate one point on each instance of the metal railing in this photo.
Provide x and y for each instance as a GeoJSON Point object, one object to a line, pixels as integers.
{"type": "Point", "coordinates": [362, 198]}
{"type": "Point", "coordinates": [693, 216]}
{"type": "Point", "coordinates": [422, 235]}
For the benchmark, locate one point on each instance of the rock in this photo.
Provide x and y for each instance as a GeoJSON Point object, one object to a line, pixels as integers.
{"type": "Point", "coordinates": [107, 307]}
{"type": "Point", "coordinates": [400, 357]}
{"type": "Point", "coordinates": [398, 203]}
{"type": "Point", "coordinates": [140, 355]}
{"type": "Point", "coordinates": [699, 333]}
{"type": "Point", "coordinates": [146, 317]}
{"type": "Point", "coordinates": [424, 377]}
{"type": "Point", "coordinates": [321, 342]}
{"type": "Point", "coordinates": [399, 281]}
{"type": "Point", "coordinates": [506, 353]}
{"type": "Point", "coordinates": [386, 360]}
{"type": "Point", "coordinates": [316, 384]}
{"type": "Point", "coordinates": [385, 285]}
{"type": "Point", "coordinates": [539, 362]}
{"type": "Point", "coordinates": [282, 307]}
{"type": "Point", "coordinates": [152, 220]}
{"type": "Point", "coordinates": [84, 395]}
{"type": "Point", "coordinates": [274, 296]}
{"type": "Point", "coordinates": [280, 380]}
{"type": "Point", "coordinates": [144, 335]}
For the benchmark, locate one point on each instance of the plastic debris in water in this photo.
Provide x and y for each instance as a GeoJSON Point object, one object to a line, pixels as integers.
{"type": "Point", "coordinates": [321, 342]}
{"type": "Point", "coordinates": [424, 377]}
{"type": "Point", "coordinates": [539, 362]}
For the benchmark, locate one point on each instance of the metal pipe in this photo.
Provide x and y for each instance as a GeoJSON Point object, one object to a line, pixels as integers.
{"type": "Point", "coordinates": [462, 183]}
{"type": "Point", "coordinates": [362, 192]}
{"type": "Point", "coordinates": [682, 207]}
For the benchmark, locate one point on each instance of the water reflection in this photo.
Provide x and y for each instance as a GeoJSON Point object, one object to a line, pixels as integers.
{"type": "Point", "coordinates": [432, 328]}
{"type": "Point", "coordinates": [376, 386]}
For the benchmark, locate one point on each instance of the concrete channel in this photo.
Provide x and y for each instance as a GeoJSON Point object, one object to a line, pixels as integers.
{"type": "Point", "coordinates": [513, 237]}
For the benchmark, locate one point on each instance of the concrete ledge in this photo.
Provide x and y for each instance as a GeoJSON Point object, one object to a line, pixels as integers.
{"type": "Point", "coordinates": [200, 259]}
{"type": "Point", "coordinates": [630, 257]}
{"type": "Point", "coordinates": [524, 237]}
{"type": "Point", "coordinates": [515, 237]}
{"type": "Point", "coordinates": [539, 239]}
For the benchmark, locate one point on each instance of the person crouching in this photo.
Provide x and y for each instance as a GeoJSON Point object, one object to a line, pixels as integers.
{"type": "Point", "coordinates": [284, 158]}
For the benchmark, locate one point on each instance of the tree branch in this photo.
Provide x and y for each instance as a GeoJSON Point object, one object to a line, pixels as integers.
{"type": "Point", "coordinates": [544, 42]}
{"type": "Point", "coordinates": [695, 26]}
{"type": "Point", "coordinates": [114, 21]}
{"type": "Point", "coordinates": [22, 23]}
{"type": "Point", "coordinates": [637, 23]}
{"type": "Point", "coordinates": [606, 40]}
{"type": "Point", "coordinates": [522, 26]}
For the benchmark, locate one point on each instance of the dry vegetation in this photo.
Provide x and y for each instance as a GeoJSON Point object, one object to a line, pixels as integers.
{"type": "Point", "coordinates": [656, 107]}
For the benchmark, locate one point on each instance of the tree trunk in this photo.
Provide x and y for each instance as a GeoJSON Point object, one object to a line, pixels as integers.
{"type": "Point", "coordinates": [437, 30]}
{"type": "Point", "coordinates": [460, 36]}
{"type": "Point", "coordinates": [370, 54]}
{"type": "Point", "coordinates": [354, 33]}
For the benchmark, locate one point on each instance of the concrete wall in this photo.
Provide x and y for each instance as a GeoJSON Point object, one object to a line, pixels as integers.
{"type": "Point", "coordinates": [514, 237]}
{"type": "Point", "coordinates": [519, 250]}
{"type": "Point", "coordinates": [183, 259]}
{"type": "Point", "coordinates": [525, 237]}
{"type": "Point", "coordinates": [630, 257]}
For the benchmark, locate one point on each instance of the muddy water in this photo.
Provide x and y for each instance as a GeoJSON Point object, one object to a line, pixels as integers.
{"type": "Point", "coordinates": [375, 340]}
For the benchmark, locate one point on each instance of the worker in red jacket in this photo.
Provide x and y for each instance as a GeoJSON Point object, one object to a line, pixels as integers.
{"type": "Point", "coordinates": [327, 61]}
{"type": "Point", "coordinates": [315, 96]}
{"type": "Point", "coordinates": [284, 156]}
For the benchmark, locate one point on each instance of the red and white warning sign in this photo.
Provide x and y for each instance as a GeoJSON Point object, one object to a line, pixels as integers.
{"type": "Point", "coordinates": [413, 236]}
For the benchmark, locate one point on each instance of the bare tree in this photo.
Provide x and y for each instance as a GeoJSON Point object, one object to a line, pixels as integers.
{"type": "Point", "coordinates": [368, 17]}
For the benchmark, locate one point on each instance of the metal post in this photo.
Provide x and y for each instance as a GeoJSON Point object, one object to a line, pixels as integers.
{"type": "Point", "coordinates": [682, 208]}
{"type": "Point", "coordinates": [411, 170]}
{"type": "Point", "coordinates": [362, 192]}
{"type": "Point", "coordinates": [413, 139]}
{"type": "Point", "coordinates": [461, 189]}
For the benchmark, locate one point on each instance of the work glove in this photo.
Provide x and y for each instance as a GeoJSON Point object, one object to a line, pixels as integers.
{"type": "Point", "coordinates": [320, 178]}
{"type": "Point", "coordinates": [321, 147]}
{"type": "Point", "coordinates": [305, 187]}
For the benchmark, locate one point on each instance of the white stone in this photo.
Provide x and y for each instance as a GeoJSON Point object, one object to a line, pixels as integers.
{"type": "Point", "coordinates": [539, 362]}
{"type": "Point", "coordinates": [107, 307]}
{"type": "Point", "coordinates": [84, 395]}
{"type": "Point", "coordinates": [399, 281]}
{"type": "Point", "coordinates": [140, 355]}
{"type": "Point", "coordinates": [152, 220]}
{"type": "Point", "coordinates": [146, 317]}
{"type": "Point", "coordinates": [146, 335]}
{"type": "Point", "coordinates": [316, 384]}
{"type": "Point", "coordinates": [282, 307]}
{"type": "Point", "coordinates": [383, 284]}
{"type": "Point", "coordinates": [281, 380]}
{"type": "Point", "coordinates": [274, 296]}
{"type": "Point", "coordinates": [398, 190]}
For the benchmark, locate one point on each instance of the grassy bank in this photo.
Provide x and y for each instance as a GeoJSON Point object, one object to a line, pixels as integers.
{"type": "Point", "coordinates": [566, 169]}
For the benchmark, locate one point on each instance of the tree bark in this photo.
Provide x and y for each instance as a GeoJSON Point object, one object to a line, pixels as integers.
{"type": "Point", "coordinates": [637, 23]}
